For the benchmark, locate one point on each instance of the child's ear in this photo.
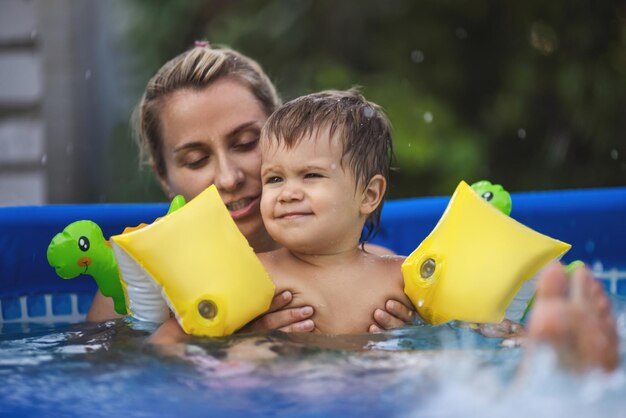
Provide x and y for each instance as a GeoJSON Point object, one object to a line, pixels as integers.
{"type": "Point", "coordinates": [373, 194]}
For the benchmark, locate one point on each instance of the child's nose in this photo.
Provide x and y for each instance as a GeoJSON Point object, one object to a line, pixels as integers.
{"type": "Point", "coordinates": [290, 192]}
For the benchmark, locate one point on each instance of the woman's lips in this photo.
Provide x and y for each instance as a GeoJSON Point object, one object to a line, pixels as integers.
{"type": "Point", "coordinates": [243, 207]}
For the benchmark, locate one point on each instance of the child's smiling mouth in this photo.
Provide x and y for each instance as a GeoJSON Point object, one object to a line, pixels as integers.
{"type": "Point", "coordinates": [293, 215]}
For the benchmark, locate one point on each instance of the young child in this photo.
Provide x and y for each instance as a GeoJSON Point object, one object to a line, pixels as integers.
{"type": "Point", "coordinates": [325, 169]}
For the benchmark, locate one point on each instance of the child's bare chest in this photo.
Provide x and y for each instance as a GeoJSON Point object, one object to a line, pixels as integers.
{"type": "Point", "coordinates": [343, 303]}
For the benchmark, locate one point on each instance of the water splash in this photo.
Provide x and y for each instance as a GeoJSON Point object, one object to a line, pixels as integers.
{"type": "Point", "coordinates": [417, 56]}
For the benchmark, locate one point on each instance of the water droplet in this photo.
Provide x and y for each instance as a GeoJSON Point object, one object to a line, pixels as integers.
{"type": "Point", "coordinates": [614, 154]}
{"type": "Point", "coordinates": [417, 56]}
{"type": "Point", "coordinates": [543, 38]}
{"type": "Point", "coordinates": [333, 166]}
{"type": "Point", "coordinates": [428, 117]}
{"type": "Point", "coordinates": [44, 159]}
{"type": "Point", "coordinates": [87, 74]}
{"type": "Point", "coordinates": [33, 34]}
{"type": "Point", "coordinates": [368, 112]}
{"type": "Point", "coordinates": [420, 303]}
{"type": "Point", "coordinates": [521, 133]}
{"type": "Point", "coordinates": [461, 33]}
{"type": "Point", "coordinates": [590, 246]}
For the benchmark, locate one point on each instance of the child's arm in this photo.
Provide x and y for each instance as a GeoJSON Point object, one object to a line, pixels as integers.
{"type": "Point", "coordinates": [278, 316]}
{"type": "Point", "coordinates": [168, 333]}
{"type": "Point", "coordinates": [288, 320]}
{"type": "Point", "coordinates": [395, 314]}
{"type": "Point", "coordinates": [397, 311]}
{"type": "Point", "coordinates": [101, 309]}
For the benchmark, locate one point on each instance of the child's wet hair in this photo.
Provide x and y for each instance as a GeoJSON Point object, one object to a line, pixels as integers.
{"type": "Point", "coordinates": [362, 126]}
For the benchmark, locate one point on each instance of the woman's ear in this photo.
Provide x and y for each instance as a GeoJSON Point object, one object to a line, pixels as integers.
{"type": "Point", "coordinates": [373, 194]}
{"type": "Point", "coordinates": [162, 180]}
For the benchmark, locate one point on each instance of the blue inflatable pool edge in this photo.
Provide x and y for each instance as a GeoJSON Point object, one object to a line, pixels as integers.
{"type": "Point", "coordinates": [592, 220]}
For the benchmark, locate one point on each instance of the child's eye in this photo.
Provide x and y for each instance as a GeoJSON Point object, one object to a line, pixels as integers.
{"type": "Point", "coordinates": [312, 175]}
{"type": "Point", "coordinates": [273, 180]}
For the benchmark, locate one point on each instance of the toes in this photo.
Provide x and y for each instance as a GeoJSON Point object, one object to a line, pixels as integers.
{"type": "Point", "coordinates": [580, 286]}
{"type": "Point", "coordinates": [547, 323]}
{"type": "Point", "coordinates": [590, 291]}
{"type": "Point", "coordinates": [552, 282]}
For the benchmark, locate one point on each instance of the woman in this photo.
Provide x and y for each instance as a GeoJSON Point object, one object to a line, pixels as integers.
{"type": "Point", "coordinates": [198, 123]}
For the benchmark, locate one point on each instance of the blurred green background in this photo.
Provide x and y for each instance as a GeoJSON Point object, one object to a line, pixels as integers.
{"type": "Point", "coordinates": [529, 94]}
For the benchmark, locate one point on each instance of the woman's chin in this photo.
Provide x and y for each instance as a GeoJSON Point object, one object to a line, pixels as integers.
{"type": "Point", "coordinates": [256, 234]}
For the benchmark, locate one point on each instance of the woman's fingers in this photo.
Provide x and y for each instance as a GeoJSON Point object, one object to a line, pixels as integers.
{"type": "Point", "coordinates": [385, 320]}
{"type": "Point", "coordinates": [280, 301]}
{"type": "Point", "coordinates": [303, 326]}
{"type": "Point", "coordinates": [374, 328]}
{"type": "Point", "coordinates": [395, 315]}
{"type": "Point", "coordinates": [400, 311]}
{"type": "Point", "coordinates": [289, 320]}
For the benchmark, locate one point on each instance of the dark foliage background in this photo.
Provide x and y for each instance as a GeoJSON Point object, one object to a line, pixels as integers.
{"type": "Point", "coordinates": [529, 94]}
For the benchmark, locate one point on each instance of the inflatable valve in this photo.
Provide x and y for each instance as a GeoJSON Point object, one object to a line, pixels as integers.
{"type": "Point", "coordinates": [474, 261]}
{"type": "Point", "coordinates": [196, 262]}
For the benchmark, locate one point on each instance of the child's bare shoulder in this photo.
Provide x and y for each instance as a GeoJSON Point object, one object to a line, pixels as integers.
{"type": "Point", "coordinates": [385, 272]}
{"type": "Point", "coordinates": [378, 249]}
{"type": "Point", "coordinates": [386, 260]}
{"type": "Point", "coordinates": [272, 258]}
{"type": "Point", "coordinates": [384, 265]}
{"type": "Point", "coordinates": [280, 265]}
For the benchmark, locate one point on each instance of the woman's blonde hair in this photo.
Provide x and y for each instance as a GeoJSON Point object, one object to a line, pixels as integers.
{"type": "Point", "coordinates": [195, 69]}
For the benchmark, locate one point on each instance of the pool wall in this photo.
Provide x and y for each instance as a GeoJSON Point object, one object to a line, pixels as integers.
{"type": "Point", "coordinates": [592, 220]}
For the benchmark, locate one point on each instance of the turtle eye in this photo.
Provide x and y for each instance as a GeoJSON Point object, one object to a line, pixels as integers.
{"type": "Point", "coordinates": [487, 196]}
{"type": "Point", "coordinates": [83, 243]}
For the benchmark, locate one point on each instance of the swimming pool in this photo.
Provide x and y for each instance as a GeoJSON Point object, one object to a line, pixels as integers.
{"type": "Point", "coordinates": [51, 365]}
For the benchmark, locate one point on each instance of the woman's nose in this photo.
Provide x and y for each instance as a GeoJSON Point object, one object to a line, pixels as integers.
{"type": "Point", "coordinates": [229, 175]}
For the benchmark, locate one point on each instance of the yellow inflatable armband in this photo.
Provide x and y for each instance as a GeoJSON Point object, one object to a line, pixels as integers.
{"type": "Point", "coordinates": [474, 262]}
{"type": "Point", "coordinates": [196, 260]}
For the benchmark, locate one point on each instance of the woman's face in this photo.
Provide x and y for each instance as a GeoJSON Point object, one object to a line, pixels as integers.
{"type": "Point", "coordinates": [211, 136]}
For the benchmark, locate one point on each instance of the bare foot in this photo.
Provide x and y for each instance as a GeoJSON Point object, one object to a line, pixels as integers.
{"type": "Point", "coordinates": [574, 316]}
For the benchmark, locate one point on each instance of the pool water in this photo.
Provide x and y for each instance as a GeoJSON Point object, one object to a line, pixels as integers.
{"type": "Point", "coordinates": [108, 369]}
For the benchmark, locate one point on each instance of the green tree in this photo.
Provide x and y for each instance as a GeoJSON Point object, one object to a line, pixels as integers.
{"type": "Point", "coordinates": [528, 94]}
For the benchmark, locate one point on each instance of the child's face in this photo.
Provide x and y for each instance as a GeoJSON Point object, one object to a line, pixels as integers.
{"type": "Point", "coordinates": [310, 203]}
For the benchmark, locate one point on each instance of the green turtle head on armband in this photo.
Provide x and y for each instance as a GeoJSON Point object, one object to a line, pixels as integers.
{"type": "Point", "coordinates": [494, 194]}
{"type": "Point", "coordinates": [81, 249]}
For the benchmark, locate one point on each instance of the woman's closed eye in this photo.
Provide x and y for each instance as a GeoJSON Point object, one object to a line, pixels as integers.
{"type": "Point", "coordinates": [246, 144]}
{"type": "Point", "coordinates": [196, 162]}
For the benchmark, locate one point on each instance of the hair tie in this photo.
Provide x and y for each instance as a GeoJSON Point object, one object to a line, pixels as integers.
{"type": "Point", "coordinates": [201, 44]}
